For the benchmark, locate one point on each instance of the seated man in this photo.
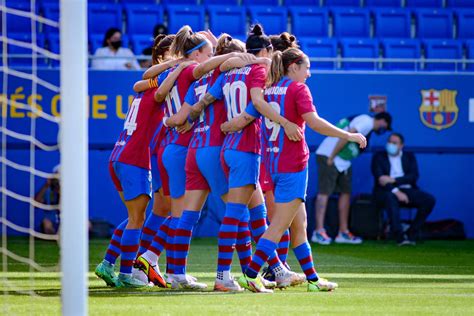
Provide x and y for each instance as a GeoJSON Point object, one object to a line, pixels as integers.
{"type": "Point", "coordinates": [396, 173]}
{"type": "Point", "coordinates": [49, 195]}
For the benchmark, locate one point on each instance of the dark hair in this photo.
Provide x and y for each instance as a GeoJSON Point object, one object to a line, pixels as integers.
{"type": "Point", "coordinates": [159, 29]}
{"type": "Point", "coordinates": [283, 41]}
{"type": "Point", "coordinates": [110, 32]}
{"type": "Point", "coordinates": [186, 40]}
{"type": "Point", "coordinates": [386, 117]}
{"type": "Point", "coordinates": [402, 139]}
{"type": "Point", "coordinates": [161, 45]}
{"type": "Point", "coordinates": [281, 61]}
{"type": "Point", "coordinates": [257, 40]}
{"type": "Point", "coordinates": [226, 44]}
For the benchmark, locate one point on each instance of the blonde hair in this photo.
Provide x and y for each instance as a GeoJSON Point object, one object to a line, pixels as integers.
{"type": "Point", "coordinates": [281, 61]}
{"type": "Point", "coordinates": [226, 44]}
{"type": "Point", "coordinates": [283, 41]}
{"type": "Point", "coordinates": [186, 40]}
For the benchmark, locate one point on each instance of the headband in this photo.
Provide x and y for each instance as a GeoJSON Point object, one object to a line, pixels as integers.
{"type": "Point", "coordinates": [297, 59]}
{"type": "Point", "coordinates": [196, 47]}
{"type": "Point", "coordinates": [267, 47]}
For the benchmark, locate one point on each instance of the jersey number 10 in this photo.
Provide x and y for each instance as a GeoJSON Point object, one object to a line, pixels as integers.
{"type": "Point", "coordinates": [230, 93]}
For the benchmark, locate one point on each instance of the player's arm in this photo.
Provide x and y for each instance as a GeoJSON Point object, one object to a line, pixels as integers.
{"type": "Point", "coordinates": [292, 130]}
{"type": "Point", "coordinates": [200, 106]}
{"type": "Point", "coordinates": [179, 118]}
{"type": "Point", "coordinates": [320, 125]}
{"type": "Point", "coordinates": [242, 60]}
{"type": "Point", "coordinates": [168, 83]}
{"type": "Point", "coordinates": [155, 70]}
{"type": "Point", "coordinates": [143, 85]}
{"type": "Point", "coordinates": [211, 64]}
{"type": "Point", "coordinates": [39, 197]}
{"type": "Point", "coordinates": [238, 123]}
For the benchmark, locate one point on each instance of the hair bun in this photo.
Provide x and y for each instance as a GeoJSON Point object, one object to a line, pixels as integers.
{"type": "Point", "coordinates": [229, 38]}
{"type": "Point", "coordinates": [257, 30]}
{"type": "Point", "coordinates": [292, 38]}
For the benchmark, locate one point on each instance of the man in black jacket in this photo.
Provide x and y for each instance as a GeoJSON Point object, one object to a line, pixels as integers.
{"type": "Point", "coordinates": [396, 173]}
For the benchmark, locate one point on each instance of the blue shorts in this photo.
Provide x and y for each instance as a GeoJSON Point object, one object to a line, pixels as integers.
{"type": "Point", "coordinates": [204, 171]}
{"type": "Point", "coordinates": [290, 186]}
{"type": "Point", "coordinates": [242, 168]}
{"type": "Point", "coordinates": [174, 160]}
{"type": "Point", "coordinates": [131, 180]}
{"type": "Point", "coordinates": [155, 174]}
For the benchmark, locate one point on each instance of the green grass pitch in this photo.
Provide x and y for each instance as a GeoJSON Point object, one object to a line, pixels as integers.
{"type": "Point", "coordinates": [435, 277]}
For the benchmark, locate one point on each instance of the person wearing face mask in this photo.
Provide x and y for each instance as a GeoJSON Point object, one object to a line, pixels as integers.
{"type": "Point", "coordinates": [112, 56]}
{"type": "Point", "coordinates": [396, 173]}
{"type": "Point", "coordinates": [334, 157]}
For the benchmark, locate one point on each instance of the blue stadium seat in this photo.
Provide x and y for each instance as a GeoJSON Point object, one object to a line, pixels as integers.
{"type": "Point", "coordinates": [220, 2]}
{"type": "Point", "coordinates": [186, 2]}
{"type": "Point", "coordinates": [383, 3]}
{"type": "Point", "coordinates": [424, 3]}
{"type": "Point", "coordinates": [401, 48]}
{"type": "Point", "coordinates": [360, 48]}
{"type": "Point", "coordinates": [17, 50]}
{"type": "Point", "coordinates": [101, 1]}
{"type": "Point", "coordinates": [392, 23]}
{"type": "Point", "coordinates": [54, 44]}
{"type": "Point", "coordinates": [95, 41]}
{"type": "Point", "coordinates": [142, 18]}
{"type": "Point", "coordinates": [261, 2]}
{"type": "Point", "coordinates": [443, 49]}
{"type": "Point", "coordinates": [351, 22]}
{"type": "Point", "coordinates": [16, 23]}
{"type": "Point", "coordinates": [460, 4]}
{"type": "Point", "coordinates": [303, 17]}
{"type": "Point", "coordinates": [178, 15]}
{"type": "Point", "coordinates": [470, 55]}
{"type": "Point", "coordinates": [465, 23]}
{"type": "Point", "coordinates": [434, 23]}
{"type": "Point", "coordinates": [273, 19]}
{"type": "Point", "coordinates": [140, 42]}
{"type": "Point", "coordinates": [314, 3]}
{"type": "Point", "coordinates": [227, 19]}
{"type": "Point", "coordinates": [51, 12]}
{"type": "Point", "coordinates": [342, 3]}
{"type": "Point", "coordinates": [326, 47]}
{"type": "Point", "coordinates": [104, 16]}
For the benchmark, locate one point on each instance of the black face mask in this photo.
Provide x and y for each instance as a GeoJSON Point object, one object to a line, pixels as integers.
{"type": "Point", "coordinates": [380, 131]}
{"type": "Point", "coordinates": [116, 44]}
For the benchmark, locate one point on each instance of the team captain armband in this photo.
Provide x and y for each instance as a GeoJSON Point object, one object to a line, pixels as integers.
{"type": "Point", "coordinates": [153, 83]}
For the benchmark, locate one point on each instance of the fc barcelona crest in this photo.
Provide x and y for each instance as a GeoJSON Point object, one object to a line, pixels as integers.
{"type": "Point", "coordinates": [438, 109]}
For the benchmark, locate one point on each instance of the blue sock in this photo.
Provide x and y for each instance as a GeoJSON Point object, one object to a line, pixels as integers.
{"type": "Point", "coordinates": [113, 250]}
{"type": "Point", "coordinates": [228, 235]}
{"type": "Point", "coordinates": [182, 240]}
{"type": "Point", "coordinates": [283, 246]}
{"type": "Point", "coordinates": [152, 223]}
{"type": "Point", "coordinates": [303, 254]}
{"type": "Point", "coordinates": [264, 249]}
{"type": "Point", "coordinates": [129, 248]}
{"type": "Point", "coordinates": [170, 245]}
{"type": "Point", "coordinates": [244, 242]}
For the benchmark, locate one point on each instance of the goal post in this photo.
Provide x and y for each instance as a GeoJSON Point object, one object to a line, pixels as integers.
{"type": "Point", "coordinates": [74, 157]}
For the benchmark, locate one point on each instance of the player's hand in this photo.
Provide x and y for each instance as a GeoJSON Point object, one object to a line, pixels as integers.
{"type": "Point", "coordinates": [330, 161]}
{"type": "Point", "coordinates": [384, 180]}
{"type": "Point", "coordinates": [247, 58]}
{"type": "Point", "coordinates": [185, 64]}
{"type": "Point", "coordinates": [186, 127]}
{"type": "Point", "coordinates": [211, 37]}
{"type": "Point", "coordinates": [357, 138]}
{"type": "Point", "coordinates": [402, 197]}
{"type": "Point", "coordinates": [293, 131]}
{"type": "Point", "coordinates": [229, 127]}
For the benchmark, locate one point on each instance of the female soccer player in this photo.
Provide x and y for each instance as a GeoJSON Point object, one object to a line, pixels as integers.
{"type": "Point", "coordinates": [241, 152]}
{"type": "Point", "coordinates": [287, 162]}
{"type": "Point", "coordinates": [130, 170]}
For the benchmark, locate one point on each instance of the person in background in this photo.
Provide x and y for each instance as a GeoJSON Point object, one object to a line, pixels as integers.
{"type": "Point", "coordinates": [395, 175]}
{"type": "Point", "coordinates": [159, 29]}
{"type": "Point", "coordinates": [334, 157]}
{"type": "Point", "coordinates": [112, 56]}
{"type": "Point", "coordinates": [49, 195]}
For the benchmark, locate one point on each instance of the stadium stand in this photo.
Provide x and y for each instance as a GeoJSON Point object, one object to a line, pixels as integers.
{"type": "Point", "coordinates": [443, 49]}
{"type": "Point", "coordinates": [25, 61]}
{"type": "Point", "coordinates": [314, 3]}
{"type": "Point", "coordinates": [140, 42]}
{"type": "Point", "coordinates": [351, 22]}
{"type": "Point", "coordinates": [104, 16]}
{"type": "Point", "coordinates": [434, 23]}
{"type": "Point", "coordinates": [401, 48]}
{"type": "Point", "coordinates": [51, 11]}
{"type": "Point", "coordinates": [142, 18]}
{"type": "Point", "coordinates": [227, 19]}
{"type": "Point", "coordinates": [193, 15]}
{"type": "Point", "coordinates": [274, 19]}
{"type": "Point", "coordinates": [465, 19]}
{"type": "Point", "coordinates": [220, 2]}
{"type": "Point", "coordinates": [326, 48]}
{"type": "Point", "coordinates": [383, 3]}
{"type": "Point", "coordinates": [392, 23]}
{"type": "Point", "coordinates": [261, 2]}
{"type": "Point", "coordinates": [342, 3]}
{"type": "Point", "coordinates": [470, 54]}
{"type": "Point", "coordinates": [301, 17]}
{"type": "Point", "coordinates": [95, 41]}
{"type": "Point", "coordinates": [185, 2]}
{"type": "Point", "coordinates": [460, 3]}
{"type": "Point", "coordinates": [424, 3]}
{"type": "Point", "coordinates": [360, 48]}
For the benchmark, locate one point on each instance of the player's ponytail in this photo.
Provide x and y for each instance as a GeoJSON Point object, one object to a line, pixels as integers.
{"type": "Point", "coordinates": [186, 41]}
{"type": "Point", "coordinates": [226, 44]}
{"type": "Point", "coordinates": [283, 41]}
{"type": "Point", "coordinates": [281, 61]}
{"type": "Point", "coordinates": [257, 40]}
{"type": "Point", "coordinates": [161, 45]}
